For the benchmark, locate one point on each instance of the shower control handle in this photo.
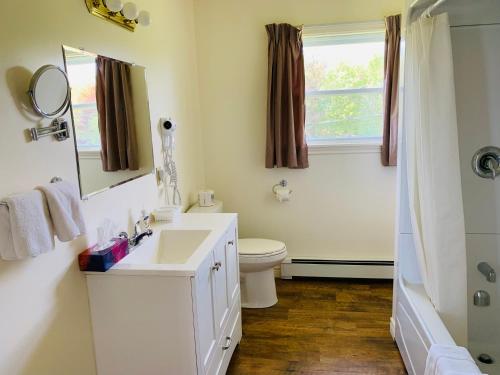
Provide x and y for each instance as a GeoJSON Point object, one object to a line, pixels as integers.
{"type": "Point", "coordinates": [487, 271]}
{"type": "Point", "coordinates": [486, 162]}
{"type": "Point", "coordinates": [491, 164]}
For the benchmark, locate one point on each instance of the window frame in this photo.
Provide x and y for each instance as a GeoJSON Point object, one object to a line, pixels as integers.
{"type": "Point", "coordinates": [322, 35]}
{"type": "Point", "coordinates": [91, 152]}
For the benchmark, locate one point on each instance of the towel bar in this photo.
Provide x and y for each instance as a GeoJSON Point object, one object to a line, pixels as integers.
{"type": "Point", "coordinates": [52, 180]}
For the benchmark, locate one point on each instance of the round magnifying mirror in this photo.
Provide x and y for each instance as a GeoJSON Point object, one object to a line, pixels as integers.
{"type": "Point", "coordinates": [49, 91]}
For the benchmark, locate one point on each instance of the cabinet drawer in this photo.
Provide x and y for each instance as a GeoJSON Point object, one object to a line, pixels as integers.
{"type": "Point", "coordinates": [228, 341]}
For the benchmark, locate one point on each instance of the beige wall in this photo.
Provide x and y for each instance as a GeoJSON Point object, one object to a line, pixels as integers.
{"type": "Point", "coordinates": [44, 316]}
{"type": "Point", "coordinates": [343, 206]}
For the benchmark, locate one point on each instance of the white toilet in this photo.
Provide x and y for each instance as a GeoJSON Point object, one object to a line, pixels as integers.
{"type": "Point", "coordinates": [258, 257]}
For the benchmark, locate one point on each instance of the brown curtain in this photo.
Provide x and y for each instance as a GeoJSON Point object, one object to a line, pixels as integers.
{"type": "Point", "coordinates": [391, 90]}
{"type": "Point", "coordinates": [286, 145]}
{"type": "Point", "coordinates": [116, 115]}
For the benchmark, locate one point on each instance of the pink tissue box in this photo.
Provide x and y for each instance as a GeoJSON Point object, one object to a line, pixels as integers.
{"type": "Point", "coordinates": [102, 260]}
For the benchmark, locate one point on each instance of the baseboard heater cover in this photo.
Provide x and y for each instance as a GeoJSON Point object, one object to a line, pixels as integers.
{"type": "Point", "coordinates": [358, 269]}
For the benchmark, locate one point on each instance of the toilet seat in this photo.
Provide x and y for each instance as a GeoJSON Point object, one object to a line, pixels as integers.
{"type": "Point", "coordinates": [259, 247]}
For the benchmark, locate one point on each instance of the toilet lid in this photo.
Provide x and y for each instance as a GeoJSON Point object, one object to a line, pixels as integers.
{"type": "Point", "coordinates": [259, 246]}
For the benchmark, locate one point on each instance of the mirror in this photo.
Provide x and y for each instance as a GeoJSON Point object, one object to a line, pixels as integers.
{"type": "Point", "coordinates": [111, 122]}
{"type": "Point", "coordinates": [49, 91]}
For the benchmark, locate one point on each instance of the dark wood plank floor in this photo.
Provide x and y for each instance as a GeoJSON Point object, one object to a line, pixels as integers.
{"type": "Point", "coordinates": [320, 327]}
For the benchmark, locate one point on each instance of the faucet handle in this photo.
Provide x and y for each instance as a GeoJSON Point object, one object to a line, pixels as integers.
{"type": "Point", "coordinates": [492, 165]}
{"type": "Point", "coordinates": [143, 224]}
{"type": "Point", "coordinates": [146, 220]}
{"type": "Point", "coordinates": [486, 162]}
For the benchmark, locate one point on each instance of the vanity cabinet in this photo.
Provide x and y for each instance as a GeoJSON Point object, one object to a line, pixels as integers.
{"type": "Point", "coordinates": [150, 320]}
{"type": "Point", "coordinates": [214, 309]}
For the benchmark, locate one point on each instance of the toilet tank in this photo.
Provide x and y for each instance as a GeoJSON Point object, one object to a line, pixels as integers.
{"type": "Point", "coordinates": [216, 208]}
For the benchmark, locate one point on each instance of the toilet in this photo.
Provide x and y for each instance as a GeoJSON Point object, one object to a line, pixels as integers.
{"type": "Point", "coordinates": [258, 257]}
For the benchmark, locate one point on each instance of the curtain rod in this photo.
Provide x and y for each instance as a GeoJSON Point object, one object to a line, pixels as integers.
{"type": "Point", "coordinates": [425, 8]}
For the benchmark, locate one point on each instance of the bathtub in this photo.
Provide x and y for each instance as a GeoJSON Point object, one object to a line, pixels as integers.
{"type": "Point", "coordinates": [416, 325]}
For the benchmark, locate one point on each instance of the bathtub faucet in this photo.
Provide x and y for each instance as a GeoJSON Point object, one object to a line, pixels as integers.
{"type": "Point", "coordinates": [487, 271]}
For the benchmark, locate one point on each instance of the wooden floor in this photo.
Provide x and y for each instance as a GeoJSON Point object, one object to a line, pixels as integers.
{"type": "Point", "coordinates": [320, 327]}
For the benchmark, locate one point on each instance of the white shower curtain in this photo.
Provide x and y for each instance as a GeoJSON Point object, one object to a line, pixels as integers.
{"type": "Point", "coordinates": [434, 182]}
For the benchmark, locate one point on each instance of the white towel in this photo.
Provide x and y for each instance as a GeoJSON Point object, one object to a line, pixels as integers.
{"type": "Point", "coordinates": [450, 360]}
{"type": "Point", "coordinates": [25, 227]}
{"type": "Point", "coordinates": [65, 209]}
{"type": "Point", "coordinates": [7, 251]}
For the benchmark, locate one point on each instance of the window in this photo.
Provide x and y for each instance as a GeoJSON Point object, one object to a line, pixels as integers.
{"type": "Point", "coordinates": [344, 85]}
{"type": "Point", "coordinates": [82, 77]}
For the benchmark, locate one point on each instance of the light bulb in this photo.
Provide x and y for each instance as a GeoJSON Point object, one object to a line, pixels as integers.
{"type": "Point", "coordinates": [130, 11]}
{"type": "Point", "coordinates": [114, 5]}
{"type": "Point", "coordinates": [144, 18]}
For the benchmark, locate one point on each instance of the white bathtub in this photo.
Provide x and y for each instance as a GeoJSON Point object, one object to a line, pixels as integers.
{"type": "Point", "coordinates": [417, 326]}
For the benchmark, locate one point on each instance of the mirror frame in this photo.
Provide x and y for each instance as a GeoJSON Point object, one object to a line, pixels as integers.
{"type": "Point", "coordinates": [32, 89]}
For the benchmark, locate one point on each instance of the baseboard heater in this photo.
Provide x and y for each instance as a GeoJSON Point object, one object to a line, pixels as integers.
{"type": "Point", "coordinates": [358, 269]}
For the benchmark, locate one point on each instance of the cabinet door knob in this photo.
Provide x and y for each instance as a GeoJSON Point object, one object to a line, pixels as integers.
{"type": "Point", "coordinates": [228, 343]}
{"type": "Point", "coordinates": [216, 266]}
{"type": "Point", "coordinates": [231, 242]}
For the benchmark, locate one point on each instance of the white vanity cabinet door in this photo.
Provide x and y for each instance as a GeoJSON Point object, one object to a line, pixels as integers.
{"type": "Point", "coordinates": [233, 263]}
{"type": "Point", "coordinates": [221, 303]}
{"type": "Point", "coordinates": [203, 301]}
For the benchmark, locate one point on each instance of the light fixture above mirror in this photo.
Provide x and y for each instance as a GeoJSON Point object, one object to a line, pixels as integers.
{"type": "Point", "coordinates": [125, 15]}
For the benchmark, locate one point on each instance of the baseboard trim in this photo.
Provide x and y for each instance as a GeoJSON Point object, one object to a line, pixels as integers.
{"type": "Point", "coordinates": [392, 328]}
{"type": "Point", "coordinates": [358, 269]}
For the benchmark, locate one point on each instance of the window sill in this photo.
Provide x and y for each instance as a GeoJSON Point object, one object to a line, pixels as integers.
{"type": "Point", "coordinates": [344, 148]}
{"type": "Point", "coordinates": [89, 154]}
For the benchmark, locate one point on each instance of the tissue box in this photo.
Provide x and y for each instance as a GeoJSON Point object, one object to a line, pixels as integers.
{"type": "Point", "coordinates": [102, 260]}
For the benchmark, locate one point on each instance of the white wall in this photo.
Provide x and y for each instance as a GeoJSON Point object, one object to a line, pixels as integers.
{"type": "Point", "coordinates": [44, 316]}
{"type": "Point", "coordinates": [477, 78]}
{"type": "Point", "coordinates": [343, 206]}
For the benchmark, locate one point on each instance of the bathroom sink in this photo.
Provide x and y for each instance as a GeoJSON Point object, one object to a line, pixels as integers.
{"type": "Point", "coordinates": [167, 246]}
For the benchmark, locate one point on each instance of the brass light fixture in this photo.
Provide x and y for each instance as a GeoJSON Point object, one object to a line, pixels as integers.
{"type": "Point", "coordinates": [125, 15]}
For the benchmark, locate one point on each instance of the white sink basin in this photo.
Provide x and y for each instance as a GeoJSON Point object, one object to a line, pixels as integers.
{"type": "Point", "coordinates": [167, 246]}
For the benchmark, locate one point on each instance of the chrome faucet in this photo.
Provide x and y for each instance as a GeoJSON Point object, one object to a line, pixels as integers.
{"type": "Point", "coordinates": [487, 271]}
{"type": "Point", "coordinates": [141, 229]}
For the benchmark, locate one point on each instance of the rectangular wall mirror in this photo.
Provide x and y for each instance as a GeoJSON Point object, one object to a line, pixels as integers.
{"type": "Point", "coordinates": [111, 121]}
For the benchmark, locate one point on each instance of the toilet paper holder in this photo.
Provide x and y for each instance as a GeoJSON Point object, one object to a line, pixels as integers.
{"type": "Point", "coordinates": [281, 184]}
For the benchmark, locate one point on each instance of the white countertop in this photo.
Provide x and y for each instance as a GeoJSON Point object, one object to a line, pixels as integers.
{"type": "Point", "coordinates": [217, 224]}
